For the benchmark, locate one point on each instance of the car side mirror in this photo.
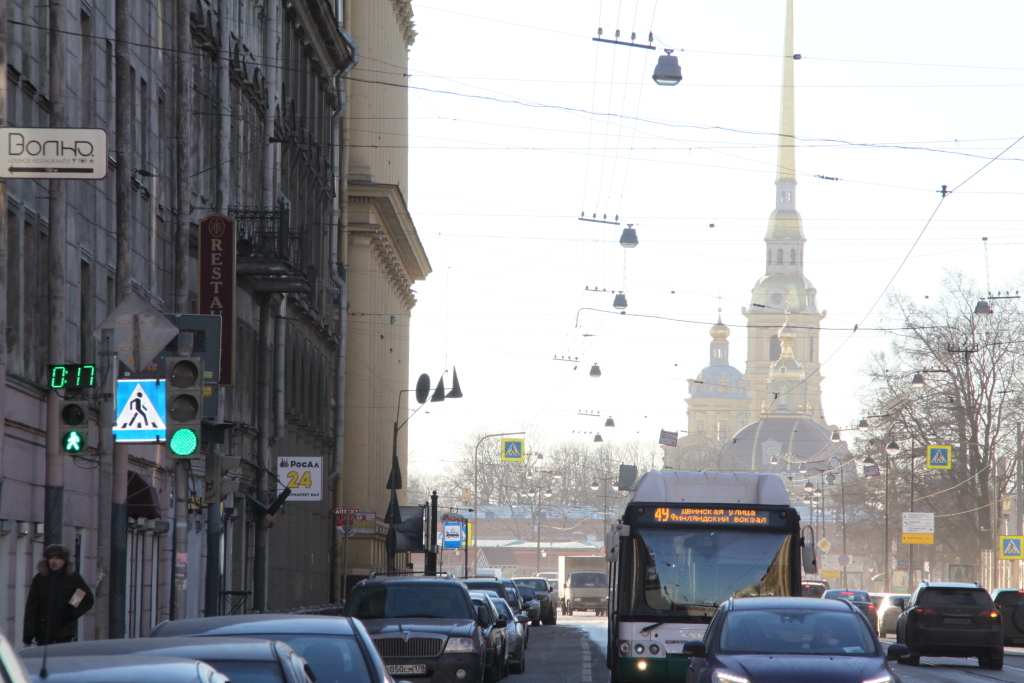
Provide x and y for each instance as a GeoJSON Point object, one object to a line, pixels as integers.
{"type": "Point", "coordinates": [501, 623]}
{"type": "Point", "coordinates": [695, 648]}
{"type": "Point", "coordinates": [897, 651]}
{"type": "Point", "coordinates": [899, 604]}
{"type": "Point", "coordinates": [523, 618]}
{"type": "Point", "coordinates": [482, 616]}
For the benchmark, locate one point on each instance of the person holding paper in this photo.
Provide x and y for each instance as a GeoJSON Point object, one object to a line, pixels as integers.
{"type": "Point", "coordinates": [58, 597]}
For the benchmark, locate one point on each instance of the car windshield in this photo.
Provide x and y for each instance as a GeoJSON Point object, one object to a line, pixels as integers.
{"type": "Point", "coordinates": [503, 609]}
{"type": "Point", "coordinates": [852, 596]}
{"type": "Point", "coordinates": [954, 597]}
{"type": "Point", "coordinates": [527, 592]}
{"type": "Point", "coordinates": [796, 632]}
{"type": "Point", "coordinates": [248, 671]}
{"type": "Point", "coordinates": [535, 584]}
{"type": "Point", "coordinates": [588, 580]}
{"type": "Point", "coordinates": [510, 595]}
{"type": "Point", "coordinates": [682, 568]}
{"type": "Point", "coordinates": [333, 659]}
{"type": "Point", "coordinates": [410, 601]}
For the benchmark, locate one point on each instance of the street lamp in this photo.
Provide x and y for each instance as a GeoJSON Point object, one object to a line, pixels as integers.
{"type": "Point", "coordinates": [595, 371]}
{"type": "Point", "coordinates": [667, 71]}
{"type": "Point", "coordinates": [393, 517]}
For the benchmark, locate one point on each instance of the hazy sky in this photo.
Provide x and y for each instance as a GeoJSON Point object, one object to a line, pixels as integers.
{"type": "Point", "coordinates": [519, 122]}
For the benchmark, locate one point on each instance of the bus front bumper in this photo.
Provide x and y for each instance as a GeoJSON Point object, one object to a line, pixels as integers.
{"type": "Point", "coordinates": [652, 669]}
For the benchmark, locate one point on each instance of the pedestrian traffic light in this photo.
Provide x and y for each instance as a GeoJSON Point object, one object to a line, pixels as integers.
{"type": "Point", "coordinates": [184, 376]}
{"type": "Point", "coordinates": [74, 427]}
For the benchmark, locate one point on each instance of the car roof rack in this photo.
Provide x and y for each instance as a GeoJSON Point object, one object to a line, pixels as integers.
{"type": "Point", "coordinates": [482, 576]}
{"type": "Point", "coordinates": [432, 575]}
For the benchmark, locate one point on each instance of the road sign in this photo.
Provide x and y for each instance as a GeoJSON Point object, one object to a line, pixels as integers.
{"type": "Point", "coordinates": [940, 458]}
{"type": "Point", "coordinates": [831, 574]}
{"type": "Point", "coordinates": [452, 535]}
{"type": "Point", "coordinates": [824, 544]}
{"type": "Point", "coordinates": [513, 450]}
{"type": "Point", "coordinates": [919, 539]}
{"type": "Point", "coordinates": [1011, 547]}
{"type": "Point", "coordinates": [141, 411]}
{"type": "Point", "coordinates": [58, 153]}
{"type": "Point", "coordinates": [844, 560]}
{"type": "Point", "coordinates": [140, 331]}
{"type": "Point", "coordinates": [919, 522]}
{"type": "Point", "coordinates": [828, 562]}
{"type": "Point", "coordinates": [304, 476]}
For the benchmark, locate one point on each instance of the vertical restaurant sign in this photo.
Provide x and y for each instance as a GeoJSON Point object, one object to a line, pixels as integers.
{"type": "Point", "coordinates": [217, 284]}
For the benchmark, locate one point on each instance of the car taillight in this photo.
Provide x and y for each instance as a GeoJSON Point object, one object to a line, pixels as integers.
{"type": "Point", "coordinates": [923, 610]}
{"type": "Point", "coordinates": [994, 615]}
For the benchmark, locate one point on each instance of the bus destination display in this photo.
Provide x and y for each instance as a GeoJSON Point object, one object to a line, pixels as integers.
{"type": "Point", "coordinates": [712, 515]}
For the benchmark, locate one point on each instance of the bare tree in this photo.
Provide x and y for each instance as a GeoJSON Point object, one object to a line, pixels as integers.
{"type": "Point", "coordinates": [972, 402]}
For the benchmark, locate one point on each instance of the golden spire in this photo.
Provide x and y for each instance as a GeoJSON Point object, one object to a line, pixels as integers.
{"type": "Point", "coordinates": [785, 179]}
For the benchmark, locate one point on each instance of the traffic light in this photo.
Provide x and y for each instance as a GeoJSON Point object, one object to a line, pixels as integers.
{"type": "Point", "coordinates": [217, 487]}
{"type": "Point", "coordinates": [184, 402]}
{"type": "Point", "coordinates": [74, 427]}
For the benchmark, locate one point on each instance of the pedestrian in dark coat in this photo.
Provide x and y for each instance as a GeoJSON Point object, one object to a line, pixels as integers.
{"type": "Point", "coordinates": [58, 597]}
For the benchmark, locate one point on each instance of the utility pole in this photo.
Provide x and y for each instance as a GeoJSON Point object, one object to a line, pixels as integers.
{"type": "Point", "coordinates": [182, 228]}
{"type": "Point", "coordinates": [1018, 523]}
{"type": "Point", "coordinates": [430, 564]}
{"type": "Point", "coordinates": [53, 514]}
{"type": "Point", "coordinates": [123, 284]}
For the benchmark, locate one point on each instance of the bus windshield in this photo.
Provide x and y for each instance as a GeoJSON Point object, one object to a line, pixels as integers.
{"type": "Point", "coordinates": [692, 571]}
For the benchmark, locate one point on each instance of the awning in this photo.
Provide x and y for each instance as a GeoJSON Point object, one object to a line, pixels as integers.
{"type": "Point", "coordinates": [143, 500]}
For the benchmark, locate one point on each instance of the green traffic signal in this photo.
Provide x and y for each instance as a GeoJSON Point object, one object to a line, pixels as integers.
{"type": "Point", "coordinates": [184, 442]}
{"type": "Point", "coordinates": [72, 442]}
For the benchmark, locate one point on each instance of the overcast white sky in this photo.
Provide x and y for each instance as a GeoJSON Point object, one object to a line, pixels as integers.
{"type": "Point", "coordinates": [519, 121]}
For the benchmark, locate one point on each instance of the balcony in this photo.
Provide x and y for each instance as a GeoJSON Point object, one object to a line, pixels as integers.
{"type": "Point", "coordinates": [273, 257]}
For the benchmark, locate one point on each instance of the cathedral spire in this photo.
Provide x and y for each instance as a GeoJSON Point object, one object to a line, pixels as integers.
{"type": "Point", "coordinates": [785, 176]}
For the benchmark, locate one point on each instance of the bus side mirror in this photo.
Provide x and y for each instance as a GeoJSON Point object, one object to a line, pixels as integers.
{"type": "Point", "coordinates": [810, 561]}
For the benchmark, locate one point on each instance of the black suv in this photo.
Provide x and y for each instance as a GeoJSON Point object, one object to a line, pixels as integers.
{"type": "Point", "coordinates": [424, 626]}
{"type": "Point", "coordinates": [951, 620]}
{"type": "Point", "coordinates": [1010, 603]}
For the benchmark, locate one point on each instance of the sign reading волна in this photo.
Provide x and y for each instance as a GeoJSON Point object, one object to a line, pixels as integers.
{"type": "Point", "coordinates": [217, 284]}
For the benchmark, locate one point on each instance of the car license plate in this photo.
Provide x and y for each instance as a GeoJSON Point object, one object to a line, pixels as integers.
{"type": "Point", "coordinates": [407, 669]}
{"type": "Point", "coordinates": [955, 620]}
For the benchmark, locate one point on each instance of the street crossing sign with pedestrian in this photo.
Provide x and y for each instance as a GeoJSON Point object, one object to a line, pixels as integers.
{"type": "Point", "coordinates": [141, 411]}
{"type": "Point", "coordinates": [940, 457]}
{"type": "Point", "coordinates": [1011, 547]}
{"type": "Point", "coordinates": [512, 450]}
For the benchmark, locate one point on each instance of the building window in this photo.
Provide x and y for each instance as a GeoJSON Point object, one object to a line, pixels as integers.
{"type": "Point", "coordinates": [700, 426]}
{"type": "Point", "coordinates": [792, 257]}
{"type": "Point", "coordinates": [778, 257]}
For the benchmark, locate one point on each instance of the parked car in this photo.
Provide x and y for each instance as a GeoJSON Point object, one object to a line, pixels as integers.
{"type": "Point", "coordinates": [789, 639]}
{"type": "Point", "coordinates": [1010, 602]}
{"type": "Point", "coordinates": [532, 604]}
{"type": "Point", "coordinates": [338, 649]}
{"type": "Point", "coordinates": [123, 669]}
{"type": "Point", "coordinates": [951, 620]}
{"type": "Point", "coordinates": [859, 599]}
{"type": "Point", "coordinates": [887, 612]}
{"type": "Point", "coordinates": [501, 588]}
{"type": "Point", "coordinates": [813, 589]}
{"type": "Point", "coordinates": [240, 659]}
{"type": "Point", "coordinates": [548, 599]}
{"type": "Point", "coordinates": [424, 626]}
{"type": "Point", "coordinates": [515, 632]}
{"type": "Point", "coordinates": [12, 669]}
{"type": "Point", "coordinates": [494, 636]}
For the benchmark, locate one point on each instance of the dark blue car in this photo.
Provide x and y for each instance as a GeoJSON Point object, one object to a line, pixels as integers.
{"type": "Point", "coordinates": [780, 640]}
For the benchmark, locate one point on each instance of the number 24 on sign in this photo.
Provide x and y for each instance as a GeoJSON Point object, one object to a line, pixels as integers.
{"type": "Point", "coordinates": [295, 481]}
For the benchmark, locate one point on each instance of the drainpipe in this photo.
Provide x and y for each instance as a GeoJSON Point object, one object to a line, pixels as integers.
{"type": "Point", "coordinates": [339, 223]}
{"type": "Point", "coordinates": [280, 329]}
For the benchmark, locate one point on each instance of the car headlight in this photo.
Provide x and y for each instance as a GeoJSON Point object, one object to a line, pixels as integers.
{"type": "Point", "coordinates": [460, 645]}
{"type": "Point", "coordinates": [880, 679]}
{"type": "Point", "coordinates": [723, 677]}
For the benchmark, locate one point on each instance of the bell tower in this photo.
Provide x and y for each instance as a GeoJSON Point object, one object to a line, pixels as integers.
{"type": "Point", "coordinates": [784, 299]}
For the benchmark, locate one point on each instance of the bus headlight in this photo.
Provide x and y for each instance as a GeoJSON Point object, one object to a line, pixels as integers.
{"type": "Point", "coordinates": [642, 665]}
{"type": "Point", "coordinates": [654, 649]}
{"type": "Point", "coordinates": [624, 647]}
{"type": "Point", "coordinates": [638, 648]}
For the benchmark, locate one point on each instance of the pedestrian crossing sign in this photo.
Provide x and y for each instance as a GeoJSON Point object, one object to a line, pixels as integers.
{"type": "Point", "coordinates": [513, 450]}
{"type": "Point", "coordinates": [141, 411]}
{"type": "Point", "coordinates": [1011, 547]}
{"type": "Point", "coordinates": [940, 457]}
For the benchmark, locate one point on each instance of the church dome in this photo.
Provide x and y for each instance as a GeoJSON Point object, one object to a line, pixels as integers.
{"type": "Point", "coordinates": [718, 330]}
{"type": "Point", "coordinates": [789, 439]}
{"type": "Point", "coordinates": [719, 380]}
{"type": "Point", "coordinates": [781, 293]}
